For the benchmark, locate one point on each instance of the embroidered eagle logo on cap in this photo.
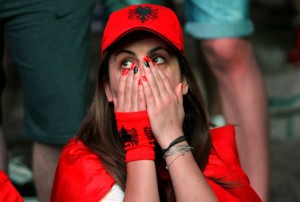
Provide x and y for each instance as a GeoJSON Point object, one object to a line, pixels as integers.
{"type": "Point", "coordinates": [143, 14]}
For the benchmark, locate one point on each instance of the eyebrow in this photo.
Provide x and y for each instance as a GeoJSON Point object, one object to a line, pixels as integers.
{"type": "Point", "coordinates": [150, 52]}
{"type": "Point", "coordinates": [160, 48]}
{"type": "Point", "coordinates": [124, 51]}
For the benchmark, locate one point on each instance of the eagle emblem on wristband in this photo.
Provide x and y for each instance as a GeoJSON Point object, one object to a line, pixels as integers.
{"type": "Point", "coordinates": [130, 137]}
{"type": "Point", "coordinates": [149, 135]}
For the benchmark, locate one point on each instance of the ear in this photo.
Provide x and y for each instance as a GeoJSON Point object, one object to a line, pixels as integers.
{"type": "Point", "coordinates": [108, 92]}
{"type": "Point", "coordinates": [185, 87]}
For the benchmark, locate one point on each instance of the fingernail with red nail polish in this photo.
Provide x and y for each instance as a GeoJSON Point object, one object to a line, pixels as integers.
{"type": "Point", "coordinates": [146, 61]}
{"type": "Point", "coordinates": [132, 66]}
{"type": "Point", "coordinates": [153, 63]}
{"type": "Point", "coordinates": [140, 82]}
{"type": "Point", "coordinates": [144, 78]}
{"type": "Point", "coordinates": [125, 72]}
{"type": "Point", "coordinates": [146, 58]}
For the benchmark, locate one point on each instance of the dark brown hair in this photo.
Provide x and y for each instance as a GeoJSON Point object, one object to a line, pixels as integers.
{"type": "Point", "coordinates": [99, 131]}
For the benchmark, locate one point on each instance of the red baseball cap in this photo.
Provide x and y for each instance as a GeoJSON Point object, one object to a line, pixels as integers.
{"type": "Point", "coordinates": [157, 19]}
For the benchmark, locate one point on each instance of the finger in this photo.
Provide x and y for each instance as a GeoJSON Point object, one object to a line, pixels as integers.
{"type": "Point", "coordinates": [159, 80]}
{"type": "Point", "coordinates": [135, 88]}
{"type": "Point", "coordinates": [128, 90]}
{"type": "Point", "coordinates": [167, 84]}
{"type": "Point", "coordinates": [151, 87]}
{"type": "Point", "coordinates": [148, 95]}
{"type": "Point", "coordinates": [115, 104]}
{"type": "Point", "coordinates": [178, 92]}
{"type": "Point", "coordinates": [141, 98]}
{"type": "Point", "coordinates": [121, 90]}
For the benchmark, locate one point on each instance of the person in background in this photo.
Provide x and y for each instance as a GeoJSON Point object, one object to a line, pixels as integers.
{"type": "Point", "coordinates": [147, 136]}
{"type": "Point", "coordinates": [222, 29]}
{"type": "Point", "coordinates": [49, 42]}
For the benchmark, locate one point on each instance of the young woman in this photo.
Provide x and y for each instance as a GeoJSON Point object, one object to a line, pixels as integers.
{"type": "Point", "coordinates": [146, 136]}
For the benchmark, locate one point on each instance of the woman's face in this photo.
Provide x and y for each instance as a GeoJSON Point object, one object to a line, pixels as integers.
{"type": "Point", "coordinates": [153, 47]}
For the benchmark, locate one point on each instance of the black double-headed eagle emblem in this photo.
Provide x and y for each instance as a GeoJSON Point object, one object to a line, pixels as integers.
{"type": "Point", "coordinates": [143, 14]}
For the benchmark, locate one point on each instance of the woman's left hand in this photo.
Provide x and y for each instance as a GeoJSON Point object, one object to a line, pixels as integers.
{"type": "Point", "coordinates": [164, 104]}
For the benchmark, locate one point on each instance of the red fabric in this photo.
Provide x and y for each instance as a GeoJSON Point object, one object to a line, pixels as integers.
{"type": "Point", "coordinates": [135, 129]}
{"type": "Point", "coordinates": [153, 18]}
{"type": "Point", "coordinates": [81, 177]}
{"type": "Point", "coordinates": [8, 193]}
{"type": "Point", "coordinates": [224, 165]}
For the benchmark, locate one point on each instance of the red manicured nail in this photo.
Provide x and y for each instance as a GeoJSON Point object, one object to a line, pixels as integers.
{"type": "Point", "coordinates": [132, 66]}
{"type": "Point", "coordinates": [153, 63]}
{"type": "Point", "coordinates": [140, 82]}
{"type": "Point", "coordinates": [125, 72]}
{"type": "Point", "coordinates": [144, 78]}
{"type": "Point", "coordinates": [147, 59]}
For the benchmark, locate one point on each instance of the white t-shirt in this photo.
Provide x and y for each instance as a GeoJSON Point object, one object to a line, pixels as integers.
{"type": "Point", "coordinates": [114, 195]}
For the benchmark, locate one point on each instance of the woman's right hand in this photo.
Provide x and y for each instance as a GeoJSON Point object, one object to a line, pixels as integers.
{"type": "Point", "coordinates": [132, 118]}
{"type": "Point", "coordinates": [130, 96]}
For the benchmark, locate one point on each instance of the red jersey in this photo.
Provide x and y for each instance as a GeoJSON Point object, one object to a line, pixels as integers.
{"type": "Point", "coordinates": [80, 176]}
{"type": "Point", "coordinates": [8, 193]}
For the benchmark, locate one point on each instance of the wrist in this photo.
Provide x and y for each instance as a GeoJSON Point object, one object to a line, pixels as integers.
{"type": "Point", "coordinates": [179, 139]}
{"type": "Point", "coordinates": [164, 140]}
{"type": "Point", "coordinates": [175, 152]}
{"type": "Point", "coordinates": [140, 153]}
{"type": "Point", "coordinates": [135, 130]}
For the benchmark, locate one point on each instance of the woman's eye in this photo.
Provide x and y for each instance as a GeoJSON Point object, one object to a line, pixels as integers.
{"type": "Point", "coordinates": [126, 64]}
{"type": "Point", "coordinates": [158, 60]}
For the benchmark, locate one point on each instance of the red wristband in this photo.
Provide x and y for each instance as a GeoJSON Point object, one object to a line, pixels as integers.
{"type": "Point", "coordinates": [135, 130]}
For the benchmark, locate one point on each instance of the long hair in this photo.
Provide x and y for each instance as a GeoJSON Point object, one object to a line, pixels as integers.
{"type": "Point", "coordinates": [99, 130]}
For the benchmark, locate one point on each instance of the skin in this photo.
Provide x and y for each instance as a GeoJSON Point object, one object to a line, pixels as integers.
{"type": "Point", "coordinates": [45, 159]}
{"type": "Point", "coordinates": [161, 93]}
{"type": "Point", "coordinates": [138, 96]}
